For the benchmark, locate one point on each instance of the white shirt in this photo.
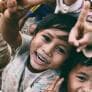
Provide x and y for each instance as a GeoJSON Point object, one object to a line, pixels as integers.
{"type": "Point", "coordinates": [75, 7]}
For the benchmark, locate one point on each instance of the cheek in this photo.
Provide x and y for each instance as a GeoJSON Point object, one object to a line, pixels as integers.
{"type": "Point", "coordinates": [73, 84]}
{"type": "Point", "coordinates": [58, 60]}
{"type": "Point", "coordinates": [36, 43]}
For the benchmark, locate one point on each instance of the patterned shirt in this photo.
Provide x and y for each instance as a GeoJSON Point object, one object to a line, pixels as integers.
{"type": "Point", "coordinates": [4, 55]}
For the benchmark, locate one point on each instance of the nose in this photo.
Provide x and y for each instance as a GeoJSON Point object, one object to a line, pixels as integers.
{"type": "Point", "coordinates": [49, 49]}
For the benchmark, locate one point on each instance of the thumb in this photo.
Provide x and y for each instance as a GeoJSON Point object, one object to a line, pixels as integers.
{"type": "Point", "coordinates": [83, 41]}
{"type": "Point", "coordinates": [82, 44]}
{"type": "Point", "coordinates": [76, 43]}
{"type": "Point", "coordinates": [79, 49]}
{"type": "Point", "coordinates": [73, 36]}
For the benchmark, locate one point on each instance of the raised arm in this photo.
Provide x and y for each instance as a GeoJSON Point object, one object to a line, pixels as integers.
{"type": "Point", "coordinates": [9, 23]}
{"type": "Point", "coordinates": [9, 29]}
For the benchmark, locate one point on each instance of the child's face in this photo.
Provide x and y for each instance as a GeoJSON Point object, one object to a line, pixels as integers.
{"type": "Point", "coordinates": [49, 49]}
{"type": "Point", "coordinates": [80, 79]}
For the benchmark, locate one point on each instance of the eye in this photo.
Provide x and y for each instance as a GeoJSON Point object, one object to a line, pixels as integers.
{"type": "Point", "coordinates": [81, 78]}
{"type": "Point", "coordinates": [61, 50]}
{"type": "Point", "coordinates": [46, 38]}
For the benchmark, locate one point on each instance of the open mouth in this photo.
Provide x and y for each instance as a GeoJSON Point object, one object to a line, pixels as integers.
{"type": "Point", "coordinates": [42, 58]}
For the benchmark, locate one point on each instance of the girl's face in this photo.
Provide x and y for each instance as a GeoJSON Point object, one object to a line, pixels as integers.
{"type": "Point", "coordinates": [80, 79]}
{"type": "Point", "coordinates": [49, 49]}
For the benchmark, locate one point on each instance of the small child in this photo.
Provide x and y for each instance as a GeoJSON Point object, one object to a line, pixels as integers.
{"type": "Point", "coordinates": [80, 77]}
{"type": "Point", "coordinates": [77, 74]}
{"type": "Point", "coordinates": [36, 60]}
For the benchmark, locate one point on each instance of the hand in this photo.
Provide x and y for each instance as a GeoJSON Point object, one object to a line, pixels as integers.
{"type": "Point", "coordinates": [55, 86]}
{"type": "Point", "coordinates": [13, 8]}
{"type": "Point", "coordinates": [82, 31]}
{"type": "Point", "coordinates": [3, 5]}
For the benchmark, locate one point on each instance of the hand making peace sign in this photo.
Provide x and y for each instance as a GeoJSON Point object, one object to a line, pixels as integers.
{"type": "Point", "coordinates": [81, 33]}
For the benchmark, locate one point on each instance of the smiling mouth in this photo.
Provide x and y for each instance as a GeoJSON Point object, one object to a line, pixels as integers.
{"type": "Point", "coordinates": [42, 58]}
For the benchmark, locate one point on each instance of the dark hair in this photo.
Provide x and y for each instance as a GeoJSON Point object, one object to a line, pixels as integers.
{"type": "Point", "coordinates": [60, 21]}
{"type": "Point", "coordinates": [74, 60]}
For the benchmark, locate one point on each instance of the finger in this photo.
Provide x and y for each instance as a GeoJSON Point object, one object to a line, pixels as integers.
{"type": "Point", "coordinates": [11, 3]}
{"type": "Point", "coordinates": [73, 37]}
{"type": "Point", "coordinates": [79, 49]}
{"type": "Point", "coordinates": [53, 84]}
{"type": "Point", "coordinates": [3, 5]}
{"type": "Point", "coordinates": [74, 34]}
{"type": "Point", "coordinates": [59, 83]}
{"type": "Point", "coordinates": [76, 43]}
{"type": "Point", "coordinates": [84, 12]}
{"type": "Point", "coordinates": [83, 42]}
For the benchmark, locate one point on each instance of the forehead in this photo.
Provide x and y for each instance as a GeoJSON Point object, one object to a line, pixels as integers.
{"type": "Point", "coordinates": [86, 70]}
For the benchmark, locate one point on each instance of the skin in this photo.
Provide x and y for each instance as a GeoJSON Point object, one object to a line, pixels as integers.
{"type": "Point", "coordinates": [82, 31]}
{"type": "Point", "coordinates": [24, 3]}
{"type": "Point", "coordinates": [31, 3]}
{"type": "Point", "coordinates": [80, 79]}
{"type": "Point", "coordinates": [47, 50]}
{"type": "Point", "coordinates": [32, 28]}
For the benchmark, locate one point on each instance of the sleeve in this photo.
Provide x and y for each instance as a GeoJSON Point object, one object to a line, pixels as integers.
{"type": "Point", "coordinates": [62, 7]}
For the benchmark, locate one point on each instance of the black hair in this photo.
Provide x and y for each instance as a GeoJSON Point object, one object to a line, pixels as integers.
{"type": "Point", "coordinates": [63, 22]}
{"type": "Point", "coordinates": [74, 60]}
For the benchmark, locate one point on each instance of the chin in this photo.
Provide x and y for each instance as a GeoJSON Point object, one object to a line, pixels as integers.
{"type": "Point", "coordinates": [36, 64]}
{"type": "Point", "coordinates": [37, 67]}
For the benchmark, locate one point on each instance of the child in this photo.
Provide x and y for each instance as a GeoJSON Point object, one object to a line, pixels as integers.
{"type": "Point", "coordinates": [35, 63]}
{"type": "Point", "coordinates": [74, 7]}
{"type": "Point", "coordinates": [80, 77]}
{"type": "Point", "coordinates": [77, 75]}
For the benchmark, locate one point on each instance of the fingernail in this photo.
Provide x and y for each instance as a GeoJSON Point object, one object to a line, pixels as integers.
{"type": "Point", "coordinates": [78, 50]}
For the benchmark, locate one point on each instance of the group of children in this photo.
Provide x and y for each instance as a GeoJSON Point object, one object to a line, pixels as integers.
{"type": "Point", "coordinates": [39, 59]}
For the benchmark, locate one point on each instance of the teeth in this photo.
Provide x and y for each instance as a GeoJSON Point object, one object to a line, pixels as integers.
{"type": "Point", "coordinates": [42, 59]}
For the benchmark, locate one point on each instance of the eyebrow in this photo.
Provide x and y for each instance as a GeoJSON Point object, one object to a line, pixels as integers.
{"type": "Point", "coordinates": [63, 37]}
{"type": "Point", "coordinates": [82, 73]}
